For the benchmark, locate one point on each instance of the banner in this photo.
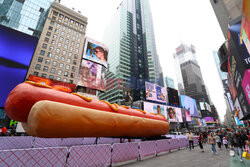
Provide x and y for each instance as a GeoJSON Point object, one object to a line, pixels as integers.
{"type": "Point", "coordinates": [174, 114]}
{"type": "Point", "coordinates": [155, 108]}
{"type": "Point", "coordinates": [155, 92]}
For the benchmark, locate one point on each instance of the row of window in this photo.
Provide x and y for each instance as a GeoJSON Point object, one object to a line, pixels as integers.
{"type": "Point", "coordinates": [63, 58]}
{"type": "Point", "coordinates": [53, 71]}
{"type": "Point", "coordinates": [52, 77]}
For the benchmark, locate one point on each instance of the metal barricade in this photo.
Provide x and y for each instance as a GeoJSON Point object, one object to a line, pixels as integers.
{"type": "Point", "coordinates": [162, 146]}
{"type": "Point", "coordinates": [147, 149]}
{"type": "Point", "coordinates": [7, 143]}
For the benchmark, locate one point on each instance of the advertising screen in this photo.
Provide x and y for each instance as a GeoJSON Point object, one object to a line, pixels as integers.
{"type": "Point", "coordinates": [190, 104]}
{"type": "Point", "coordinates": [209, 119]}
{"type": "Point", "coordinates": [95, 52]}
{"type": "Point", "coordinates": [173, 97]}
{"type": "Point", "coordinates": [16, 51]}
{"type": "Point", "coordinates": [245, 30]}
{"type": "Point", "coordinates": [188, 116]}
{"type": "Point", "coordinates": [230, 101]}
{"type": "Point", "coordinates": [205, 106]}
{"type": "Point", "coordinates": [58, 85]}
{"type": "Point", "coordinates": [155, 108]}
{"type": "Point", "coordinates": [238, 110]}
{"type": "Point", "coordinates": [155, 92]}
{"type": "Point", "coordinates": [92, 75]}
{"type": "Point", "coordinates": [246, 85]}
{"type": "Point", "coordinates": [237, 121]}
{"type": "Point", "coordinates": [174, 114]}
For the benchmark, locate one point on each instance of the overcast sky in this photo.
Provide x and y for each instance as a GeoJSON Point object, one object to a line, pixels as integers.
{"type": "Point", "coordinates": [175, 21]}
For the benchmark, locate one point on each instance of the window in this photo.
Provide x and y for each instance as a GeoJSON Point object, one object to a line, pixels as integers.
{"type": "Point", "coordinates": [65, 46]}
{"type": "Point", "coordinates": [64, 28]}
{"type": "Point", "coordinates": [57, 50]}
{"type": "Point", "coordinates": [42, 52]}
{"type": "Point", "coordinates": [74, 38]}
{"type": "Point", "coordinates": [72, 75]}
{"type": "Point", "coordinates": [77, 45]}
{"type": "Point", "coordinates": [52, 70]}
{"type": "Point", "coordinates": [69, 30]}
{"type": "Point", "coordinates": [48, 34]}
{"type": "Point", "coordinates": [65, 23]}
{"type": "Point", "coordinates": [53, 42]}
{"type": "Point", "coordinates": [62, 58]}
{"type": "Point", "coordinates": [70, 54]}
{"type": "Point", "coordinates": [59, 72]}
{"type": "Point", "coordinates": [56, 30]}
{"type": "Point", "coordinates": [71, 48]}
{"type": "Point", "coordinates": [40, 59]}
{"type": "Point", "coordinates": [66, 73]}
{"type": "Point", "coordinates": [77, 23]}
{"type": "Point", "coordinates": [71, 25]}
{"type": "Point", "coordinates": [71, 21]}
{"type": "Point", "coordinates": [60, 20]}
{"type": "Point", "coordinates": [74, 32]}
{"type": "Point", "coordinates": [61, 65]}
{"type": "Point", "coordinates": [64, 52]}
{"type": "Point", "coordinates": [50, 28]}
{"type": "Point", "coordinates": [72, 43]}
{"type": "Point", "coordinates": [77, 50]}
{"type": "Point", "coordinates": [55, 13]}
{"type": "Point", "coordinates": [58, 25]}
{"type": "Point", "coordinates": [67, 41]}
{"type": "Point", "coordinates": [52, 22]}
{"type": "Point", "coordinates": [54, 36]}
{"type": "Point", "coordinates": [75, 56]}
{"type": "Point", "coordinates": [79, 34]}
{"type": "Point", "coordinates": [68, 35]}
{"type": "Point", "coordinates": [44, 46]}
{"type": "Point", "coordinates": [59, 44]}
{"type": "Point", "coordinates": [64, 80]}
{"type": "Point", "coordinates": [81, 26]}
{"type": "Point", "coordinates": [43, 75]}
{"type": "Point", "coordinates": [68, 60]}
{"type": "Point", "coordinates": [54, 63]}
{"type": "Point", "coordinates": [62, 33]}
{"type": "Point", "coordinates": [79, 39]}
{"type": "Point", "coordinates": [61, 16]}
{"type": "Point", "coordinates": [74, 62]}
{"type": "Point", "coordinates": [46, 39]}
{"type": "Point", "coordinates": [49, 54]}
{"type": "Point", "coordinates": [51, 48]}
{"type": "Point", "coordinates": [66, 18]}
{"type": "Point", "coordinates": [51, 77]}
{"type": "Point", "coordinates": [56, 57]}
{"type": "Point", "coordinates": [81, 30]}
{"type": "Point", "coordinates": [58, 78]}
{"type": "Point", "coordinates": [35, 73]}
{"type": "Point", "coordinates": [47, 61]}
{"type": "Point", "coordinates": [67, 66]}
{"type": "Point", "coordinates": [61, 38]}
{"type": "Point", "coordinates": [53, 18]}
{"type": "Point", "coordinates": [38, 66]}
{"type": "Point", "coordinates": [73, 68]}
{"type": "Point", "coordinates": [45, 68]}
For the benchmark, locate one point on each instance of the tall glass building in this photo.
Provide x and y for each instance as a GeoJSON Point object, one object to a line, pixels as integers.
{"type": "Point", "coordinates": [132, 52]}
{"type": "Point", "coordinates": [27, 16]}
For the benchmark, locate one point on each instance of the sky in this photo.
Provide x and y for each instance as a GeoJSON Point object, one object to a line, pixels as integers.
{"type": "Point", "coordinates": [175, 22]}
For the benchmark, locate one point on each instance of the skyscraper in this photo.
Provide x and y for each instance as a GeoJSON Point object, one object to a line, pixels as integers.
{"type": "Point", "coordinates": [27, 16]}
{"type": "Point", "coordinates": [132, 51]}
{"type": "Point", "coordinates": [169, 82]}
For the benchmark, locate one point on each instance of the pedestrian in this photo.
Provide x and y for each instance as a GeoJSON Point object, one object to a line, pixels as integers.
{"type": "Point", "coordinates": [237, 143]}
{"type": "Point", "coordinates": [200, 139]}
{"type": "Point", "coordinates": [244, 138]}
{"type": "Point", "coordinates": [229, 139]}
{"type": "Point", "coordinates": [191, 140]}
{"type": "Point", "coordinates": [212, 141]}
{"type": "Point", "coordinates": [218, 141]}
{"type": "Point", "coordinates": [225, 142]}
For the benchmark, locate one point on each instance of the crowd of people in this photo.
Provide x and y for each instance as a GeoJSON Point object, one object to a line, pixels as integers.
{"type": "Point", "coordinates": [239, 141]}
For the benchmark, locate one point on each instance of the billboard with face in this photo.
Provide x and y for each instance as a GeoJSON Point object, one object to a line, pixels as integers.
{"type": "Point", "coordinates": [174, 114]}
{"type": "Point", "coordinates": [190, 104]}
{"type": "Point", "coordinates": [92, 75]}
{"type": "Point", "coordinates": [16, 51]}
{"type": "Point", "coordinates": [155, 92]}
{"type": "Point", "coordinates": [95, 52]}
{"type": "Point", "coordinates": [155, 108]}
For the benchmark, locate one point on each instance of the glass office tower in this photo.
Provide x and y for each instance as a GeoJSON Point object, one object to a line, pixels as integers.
{"type": "Point", "coordinates": [27, 16]}
{"type": "Point", "coordinates": [132, 52]}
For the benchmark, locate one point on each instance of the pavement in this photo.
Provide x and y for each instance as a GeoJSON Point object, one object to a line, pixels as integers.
{"type": "Point", "coordinates": [187, 158]}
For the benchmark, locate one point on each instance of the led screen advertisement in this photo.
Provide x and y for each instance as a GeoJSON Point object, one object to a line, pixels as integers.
{"type": "Point", "coordinates": [205, 106]}
{"type": "Point", "coordinates": [95, 52]}
{"type": "Point", "coordinates": [155, 108]}
{"type": "Point", "coordinates": [246, 85]}
{"type": "Point", "coordinates": [245, 25]}
{"type": "Point", "coordinates": [92, 75]}
{"type": "Point", "coordinates": [209, 119]}
{"type": "Point", "coordinates": [173, 97]}
{"type": "Point", "coordinates": [237, 121]}
{"type": "Point", "coordinates": [189, 104]}
{"type": "Point", "coordinates": [238, 110]}
{"type": "Point", "coordinates": [186, 115]}
{"type": "Point", "coordinates": [174, 114]}
{"type": "Point", "coordinates": [16, 51]}
{"type": "Point", "coordinates": [155, 92]}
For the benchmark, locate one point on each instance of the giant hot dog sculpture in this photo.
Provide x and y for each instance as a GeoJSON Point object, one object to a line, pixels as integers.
{"type": "Point", "coordinates": [45, 112]}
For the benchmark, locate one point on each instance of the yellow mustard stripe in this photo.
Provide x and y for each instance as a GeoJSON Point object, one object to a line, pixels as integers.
{"type": "Point", "coordinates": [38, 84]}
{"type": "Point", "coordinates": [116, 108]}
{"type": "Point", "coordinates": [158, 114]}
{"type": "Point", "coordinates": [88, 99]}
{"type": "Point", "coordinates": [144, 112]}
{"type": "Point", "coordinates": [125, 107]}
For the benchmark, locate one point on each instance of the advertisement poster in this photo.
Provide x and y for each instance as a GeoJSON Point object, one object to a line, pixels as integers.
{"type": "Point", "coordinates": [230, 101]}
{"type": "Point", "coordinates": [190, 104]}
{"type": "Point", "coordinates": [246, 85]}
{"type": "Point", "coordinates": [245, 24]}
{"type": "Point", "coordinates": [174, 114]}
{"type": "Point", "coordinates": [155, 108]}
{"type": "Point", "coordinates": [209, 119]}
{"type": "Point", "coordinates": [237, 108]}
{"type": "Point", "coordinates": [95, 52]}
{"type": "Point", "coordinates": [63, 86]}
{"type": "Point", "coordinates": [205, 106]}
{"type": "Point", "coordinates": [16, 51]}
{"type": "Point", "coordinates": [188, 116]}
{"type": "Point", "coordinates": [92, 75]}
{"type": "Point", "coordinates": [173, 97]}
{"type": "Point", "coordinates": [237, 121]}
{"type": "Point", "coordinates": [155, 92]}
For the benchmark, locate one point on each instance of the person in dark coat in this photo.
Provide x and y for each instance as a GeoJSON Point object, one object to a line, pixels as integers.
{"type": "Point", "coordinates": [200, 139]}
{"type": "Point", "coordinates": [238, 143]}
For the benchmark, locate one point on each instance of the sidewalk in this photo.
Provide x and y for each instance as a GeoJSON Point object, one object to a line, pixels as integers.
{"type": "Point", "coordinates": [235, 162]}
{"type": "Point", "coordinates": [186, 158]}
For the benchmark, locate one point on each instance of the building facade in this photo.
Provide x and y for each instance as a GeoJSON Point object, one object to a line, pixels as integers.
{"type": "Point", "coordinates": [169, 82]}
{"type": "Point", "coordinates": [60, 47]}
{"type": "Point", "coordinates": [132, 52]}
{"type": "Point", "coordinates": [27, 16]}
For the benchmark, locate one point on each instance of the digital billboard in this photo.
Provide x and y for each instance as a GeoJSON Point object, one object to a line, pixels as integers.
{"type": "Point", "coordinates": [188, 116]}
{"type": "Point", "coordinates": [190, 104]}
{"type": "Point", "coordinates": [155, 92]}
{"type": "Point", "coordinates": [173, 97]}
{"type": "Point", "coordinates": [58, 85]}
{"type": "Point", "coordinates": [245, 24]}
{"type": "Point", "coordinates": [237, 121]}
{"type": "Point", "coordinates": [209, 119]}
{"type": "Point", "coordinates": [230, 101]}
{"type": "Point", "coordinates": [246, 85]}
{"type": "Point", "coordinates": [205, 106]}
{"type": "Point", "coordinates": [16, 51]}
{"type": "Point", "coordinates": [174, 114]}
{"type": "Point", "coordinates": [95, 51]}
{"type": "Point", "coordinates": [155, 108]}
{"type": "Point", "coordinates": [92, 75]}
{"type": "Point", "coordinates": [238, 110]}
